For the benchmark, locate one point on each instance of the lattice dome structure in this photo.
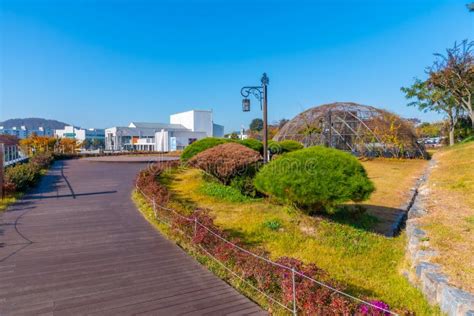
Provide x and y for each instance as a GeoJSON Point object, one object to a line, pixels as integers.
{"type": "Point", "coordinates": [361, 129]}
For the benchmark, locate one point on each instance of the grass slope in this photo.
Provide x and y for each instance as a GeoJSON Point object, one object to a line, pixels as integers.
{"type": "Point", "coordinates": [369, 263]}
{"type": "Point", "coordinates": [450, 219]}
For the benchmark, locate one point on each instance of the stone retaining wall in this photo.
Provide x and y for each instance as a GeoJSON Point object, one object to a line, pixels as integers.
{"type": "Point", "coordinates": [426, 275]}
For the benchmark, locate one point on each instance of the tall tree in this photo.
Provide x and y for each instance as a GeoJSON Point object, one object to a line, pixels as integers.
{"type": "Point", "coordinates": [256, 125]}
{"type": "Point", "coordinates": [454, 73]}
{"type": "Point", "coordinates": [429, 97]}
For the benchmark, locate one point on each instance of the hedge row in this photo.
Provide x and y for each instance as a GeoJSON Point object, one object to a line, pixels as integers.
{"type": "Point", "coordinates": [20, 177]}
{"type": "Point", "coordinates": [312, 298]}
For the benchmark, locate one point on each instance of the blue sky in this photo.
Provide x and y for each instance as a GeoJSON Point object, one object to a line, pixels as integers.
{"type": "Point", "coordinates": [106, 63]}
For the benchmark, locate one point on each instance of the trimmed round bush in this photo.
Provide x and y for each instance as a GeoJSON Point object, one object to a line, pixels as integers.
{"type": "Point", "coordinates": [315, 179]}
{"type": "Point", "coordinates": [252, 144]}
{"type": "Point", "coordinates": [200, 146]}
{"type": "Point", "coordinates": [227, 161]}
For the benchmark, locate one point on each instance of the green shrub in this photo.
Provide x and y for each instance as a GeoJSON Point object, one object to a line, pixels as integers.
{"type": "Point", "coordinates": [222, 192]}
{"type": "Point", "coordinates": [20, 177]}
{"type": "Point", "coordinates": [315, 178]}
{"type": "Point", "coordinates": [200, 146]}
{"type": "Point", "coordinates": [245, 185]}
{"type": "Point", "coordinates": [227, 161]}
{"type": "Point", "coordinates": [468, 139]}
{"type": "Point", "coordinates": [290, 145]}
{"type": "Point", "coordinates": [274, 224]}
{"type": "Point", "coordinates": [252, 144]}
{"type": "Point", "coordinates": [285, 146]}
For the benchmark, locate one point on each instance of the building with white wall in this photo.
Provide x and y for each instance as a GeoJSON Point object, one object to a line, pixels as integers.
{"type": "Point", "coordinates": [184, 128]}
{"type": "Point", "coordinates": [80, 134]}
{"type": "Point", "coordinates": [23, 132]}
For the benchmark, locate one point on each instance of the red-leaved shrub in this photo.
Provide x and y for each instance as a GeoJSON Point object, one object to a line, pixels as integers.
{"type": "Point", "coordinates": [226, 161]}
{"type": "Point", "coordinates": [42, 160]}
{"type": "Point", "coordinates": [147, 182]}
{"type": "Point", "coordinates": [276, 280]}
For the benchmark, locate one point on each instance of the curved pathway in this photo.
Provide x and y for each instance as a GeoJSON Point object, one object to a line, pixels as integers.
{"type": "Point", "coordinates": [77, 245]}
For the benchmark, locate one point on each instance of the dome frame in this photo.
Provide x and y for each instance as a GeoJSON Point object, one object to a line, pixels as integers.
{"type": "Point", "coordinates": [360, 129]}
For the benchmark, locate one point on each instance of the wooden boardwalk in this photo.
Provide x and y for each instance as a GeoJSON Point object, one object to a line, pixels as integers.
{"type": "Point", "coordinates": [77, 245]}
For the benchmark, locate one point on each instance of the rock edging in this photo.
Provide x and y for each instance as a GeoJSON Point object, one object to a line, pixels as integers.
{"type": "Point", "coordinates": [428, 276]}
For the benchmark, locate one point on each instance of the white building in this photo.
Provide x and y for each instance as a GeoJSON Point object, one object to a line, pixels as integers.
{"type": "Point", "coordinates": [23, 132]}
{"type": "Point", "coordinates": [184, 128]}
{"type": "Point", "coordinates": [80, 134]}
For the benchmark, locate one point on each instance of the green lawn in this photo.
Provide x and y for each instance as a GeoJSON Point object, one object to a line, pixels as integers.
{"type": "Point", "coordinates": [370, 264]}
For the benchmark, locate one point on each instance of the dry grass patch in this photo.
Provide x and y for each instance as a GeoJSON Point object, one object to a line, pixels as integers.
{"type": "Point", "coordinates": [393, 179]}
{"type": "Point", "coordinates": [450, 219]}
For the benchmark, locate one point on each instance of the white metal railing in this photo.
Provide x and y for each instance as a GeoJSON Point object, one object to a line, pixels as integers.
{"type": "Point", "coordinates": [14, 161]}
{"type": "Point", "coordinates": [294, 308]}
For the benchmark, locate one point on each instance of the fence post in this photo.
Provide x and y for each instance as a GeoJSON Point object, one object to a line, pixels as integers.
{"type": "Point", "coordinates": [195, 226]}
{"type": "Point", "coordinates": [294, 290]}
{"type": "Point", "coordinates": [154, 208]}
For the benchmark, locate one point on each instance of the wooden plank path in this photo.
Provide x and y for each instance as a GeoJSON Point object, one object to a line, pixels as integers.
{"type": "Point", "coordinates": [76, 245]}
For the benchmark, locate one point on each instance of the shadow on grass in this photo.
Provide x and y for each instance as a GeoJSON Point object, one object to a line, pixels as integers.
{"type": "Point", "coordinates": [372, 218]}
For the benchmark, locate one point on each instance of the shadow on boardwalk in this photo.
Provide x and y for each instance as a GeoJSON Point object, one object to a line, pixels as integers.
{"type": "Point", "coordinates": [77, 245]}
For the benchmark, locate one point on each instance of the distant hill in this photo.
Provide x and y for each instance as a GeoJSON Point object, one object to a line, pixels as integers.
{"type": "Point", "coordinates": [33, 123]}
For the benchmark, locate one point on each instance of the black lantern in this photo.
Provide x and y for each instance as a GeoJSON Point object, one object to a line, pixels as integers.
{"type": "Point", "coordinates": [246, 105]}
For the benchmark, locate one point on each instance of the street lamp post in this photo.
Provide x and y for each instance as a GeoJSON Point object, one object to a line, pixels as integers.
{"type": "Point", "coordinates": [261, 93]}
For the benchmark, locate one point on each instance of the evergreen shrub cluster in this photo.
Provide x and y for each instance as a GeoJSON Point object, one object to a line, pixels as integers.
{"type": "Point", "coordinates": [252, 144]}
{"type": "Point", "coordinates": [315, 179]}
{"type": "Point", "coordinates": [209, 142]}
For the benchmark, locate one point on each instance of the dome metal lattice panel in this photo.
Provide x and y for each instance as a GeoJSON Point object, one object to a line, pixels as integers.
{"type": "Point", "coordinates": [361, 129]}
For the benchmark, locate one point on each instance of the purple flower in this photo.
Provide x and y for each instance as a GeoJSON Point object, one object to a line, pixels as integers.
{"type": "Point", "coordinates": [375, 308]}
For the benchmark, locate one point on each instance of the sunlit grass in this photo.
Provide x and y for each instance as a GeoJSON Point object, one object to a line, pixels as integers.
{"type": "Point", "coordinates": [450, 219]}
{"type": "Point", "coordinates": [8, 200]}
{"type": "Point", "coordinates": [368, 263]}
{"type": "Point", "coordinates": [393, 179]}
